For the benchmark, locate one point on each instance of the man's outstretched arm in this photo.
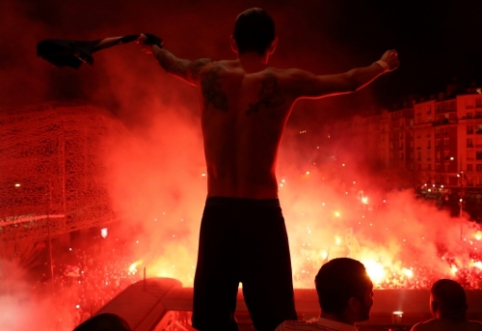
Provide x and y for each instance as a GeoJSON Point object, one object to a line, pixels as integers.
{"type": "Point", "coordinates": [308, 85]}
{"type": "Point", "coordinates": [184, 69]}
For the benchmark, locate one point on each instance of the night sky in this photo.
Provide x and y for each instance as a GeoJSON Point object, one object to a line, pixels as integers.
{"type": "Point", "coordinates": [436, 40]}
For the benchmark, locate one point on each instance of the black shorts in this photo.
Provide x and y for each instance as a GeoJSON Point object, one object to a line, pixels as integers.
{"type": "Point", "coordinates": [242, 240]}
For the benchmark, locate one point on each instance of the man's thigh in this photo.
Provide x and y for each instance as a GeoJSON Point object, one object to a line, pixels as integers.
{"type": "Point", "coordinates": [266, 275]}
{"type": "Point", "coordinates": [215, 282]}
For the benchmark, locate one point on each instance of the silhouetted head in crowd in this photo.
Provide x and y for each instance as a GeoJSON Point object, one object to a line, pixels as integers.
{"type": "Point", "coordinates": [254, 31]}
{"type": "Point", "coordinates": [104, 322]}
{"type": "Point", "coordinates": [345, 291]}
{"type": "Point", "coordinates": [448, 299]}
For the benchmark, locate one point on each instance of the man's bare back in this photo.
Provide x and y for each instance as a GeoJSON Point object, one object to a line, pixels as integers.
{"type": "Point", "coordinates": [243, 117]}
{"type": "Point", "coordinates": [244, 112]}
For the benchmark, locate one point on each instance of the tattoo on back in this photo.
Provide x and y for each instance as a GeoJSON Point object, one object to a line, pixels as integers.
{"type": "Point", "coordinates": [211, 89]}
{"type": "Point", "coordinates": [269, 96]}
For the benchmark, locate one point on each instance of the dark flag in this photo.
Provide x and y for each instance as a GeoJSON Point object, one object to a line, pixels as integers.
{"type": "Point", "coordinates": [72, 53]}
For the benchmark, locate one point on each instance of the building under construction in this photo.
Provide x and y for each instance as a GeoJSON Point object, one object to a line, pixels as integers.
{"type": "Point", "coordinates": [52, 178]}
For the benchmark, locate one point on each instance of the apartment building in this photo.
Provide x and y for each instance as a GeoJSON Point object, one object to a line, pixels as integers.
{"type": "Point", "coordinates": [437, 142]}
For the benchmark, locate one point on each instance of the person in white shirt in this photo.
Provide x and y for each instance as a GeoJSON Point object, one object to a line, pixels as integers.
{"type": "Point", "coordinates": [448, 305]}
{"type": "Point", "coordinates": [345, 294]}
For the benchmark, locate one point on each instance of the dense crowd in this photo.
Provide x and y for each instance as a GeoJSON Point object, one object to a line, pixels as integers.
{"type": "Point", "coordinates": [86, 279]}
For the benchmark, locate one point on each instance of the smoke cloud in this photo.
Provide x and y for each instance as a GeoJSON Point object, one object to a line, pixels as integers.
{"type": "Point", "coordinates": [156, 170]}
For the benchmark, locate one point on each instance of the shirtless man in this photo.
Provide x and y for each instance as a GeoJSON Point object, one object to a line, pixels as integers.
{"type": "Point", "coordinates": [245, 106]}
{"type": "Point", "coordinates": [448, 304]}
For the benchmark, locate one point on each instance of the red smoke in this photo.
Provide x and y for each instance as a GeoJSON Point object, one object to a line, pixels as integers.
{"type": "Point", "coordinates": [156, 165]}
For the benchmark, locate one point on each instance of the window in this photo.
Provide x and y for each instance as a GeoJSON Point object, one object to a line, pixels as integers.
{"type": "Point", "coordinates": [470, 167]}
{"type": "Point", "coordinates": [470, 142]}
{"type": "Point", "coordinates": [478, 129]}
{"type": "Point", "coordinates": [478, 103]}
{"type": "Point", "coordinates": [470, 155]}
{"type": "Point", "coordinates": [470, 114]}
{"type": "Point", "coordinates": [438, 167]}
{"type": "Point", "coordinates": [437, 132]}
{"type": "Point", "coordinates": [437, 156]}
{"type": "Point", "coordinates": [479, 167]}
{"type": "Point", "coordinates": [446, 142]}
{"type": "Point", "coordinates": [478, 155]}
{"type": "Point", "coordinates": [429, 166]}
{"type": "Point", "coordinates": [429, 144]}
{"type": "Point", "coordinates": [470, 129]}
{"type": "Point", "coordinates": [419, 156]}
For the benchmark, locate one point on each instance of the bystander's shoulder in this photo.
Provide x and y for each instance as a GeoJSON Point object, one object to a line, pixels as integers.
{"type": "Point", "coordinates": [438, 324]}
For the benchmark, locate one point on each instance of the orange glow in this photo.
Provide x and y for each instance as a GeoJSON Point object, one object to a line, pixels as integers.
{"type": "Point", "coordinates": [478, 235]}
{"type": "Point", "coordinates": [407, 272]}
{"type": "Point", "coordinates": [133, 267]}
{"type": "Point", "coordinates": [375, 270]}
{"type": "Point", "coordinates": [477, 264]}
{"type": "Point", "coordinates": [454, 270]}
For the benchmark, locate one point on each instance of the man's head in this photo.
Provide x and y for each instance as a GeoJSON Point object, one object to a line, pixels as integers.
{"type": "Point", "coordinates": [448, 299]}
{"type": "Point", "coordinates": [254, 31]}
{"type": "Point", "coordinates": [344, 290]}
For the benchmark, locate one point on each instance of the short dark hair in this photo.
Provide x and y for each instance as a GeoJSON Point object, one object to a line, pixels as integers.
{"type": "Point", "coordinates": [339, 280]}
{"type": "Point", "coordinates": [254, 31]}
{"type": "Point", "coordinates": [450, 298]}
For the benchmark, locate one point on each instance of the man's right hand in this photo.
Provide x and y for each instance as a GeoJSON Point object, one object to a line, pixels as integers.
{"type": "Point", "coordinates": [140, 41]}
{"type": "Point", "coordinates": [146, 41]}
{"type": "Point", "coordinates": [391, 58]}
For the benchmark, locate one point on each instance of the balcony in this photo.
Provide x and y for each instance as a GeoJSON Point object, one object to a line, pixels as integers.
{"type": "Point", "coordinates": [445, 121]}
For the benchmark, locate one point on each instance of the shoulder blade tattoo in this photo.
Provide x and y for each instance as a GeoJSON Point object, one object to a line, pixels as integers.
{"type": "Point", "coordinates": [269, 96]}
{"type": "Point", "coordinates": [211, 89]}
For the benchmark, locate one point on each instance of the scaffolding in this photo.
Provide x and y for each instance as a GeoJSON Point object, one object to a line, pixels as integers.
{"type": "Point", "coordinates": [52, 175]}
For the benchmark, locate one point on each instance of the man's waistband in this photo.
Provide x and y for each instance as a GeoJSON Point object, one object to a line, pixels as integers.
{"type": "Point", "coordinates": [225, 201]}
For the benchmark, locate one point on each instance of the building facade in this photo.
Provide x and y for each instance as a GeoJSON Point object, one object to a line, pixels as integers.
{"type": "Point", "coordinates": [435, 142]}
